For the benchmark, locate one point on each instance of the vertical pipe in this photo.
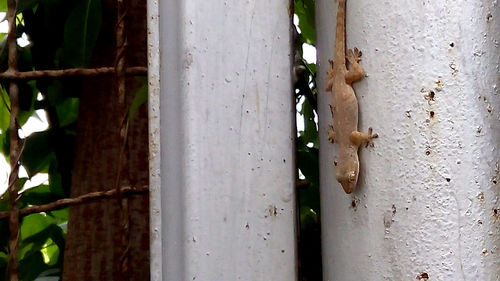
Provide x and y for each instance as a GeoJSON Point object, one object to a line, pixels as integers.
{"type": "Point", "coordinates": [156, 244]}
{"type": "Point", "coordinates": [228, 208]}
{"type": "Point", "coordinates": [427, 203]}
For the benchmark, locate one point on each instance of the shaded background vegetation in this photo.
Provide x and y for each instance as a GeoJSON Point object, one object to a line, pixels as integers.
{"type": "Point", "coordinates": [62, 34]}
{"type": "Point", "coordinates": [57, 34]}
{"type": "Point", "coordinates": [307, 146]}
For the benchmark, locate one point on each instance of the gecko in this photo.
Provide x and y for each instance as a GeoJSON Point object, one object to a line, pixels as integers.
{"type": "Point", "coordinates": [344, 106]}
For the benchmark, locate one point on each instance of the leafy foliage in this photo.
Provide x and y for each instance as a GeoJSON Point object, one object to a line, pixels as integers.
{"type": "Point", "coordinates": [61, 34]}
{"type": "Point", "coordinates": [304, 9]}
{"type": "Point", "coordinates": [307, 148]}
{"type": "Point", "coordinates": [80, 32]}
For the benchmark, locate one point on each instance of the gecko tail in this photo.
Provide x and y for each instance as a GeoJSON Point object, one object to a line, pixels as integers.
{"type": "Point", "coordinates": [339, 54]}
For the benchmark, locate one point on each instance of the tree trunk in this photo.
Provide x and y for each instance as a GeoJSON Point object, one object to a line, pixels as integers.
{"type": "Point", "coordinates": [426, 205]}
{"type": "Point", "coordinates": [93, 243]}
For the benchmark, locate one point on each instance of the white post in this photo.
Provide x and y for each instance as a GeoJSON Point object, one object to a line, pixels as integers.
{"type": "Point", "coordinates": [227, 119]}
{"type": "Point", "coordinates": [155, 206]}
{"type": "Point", "coordinates": [427, 203]}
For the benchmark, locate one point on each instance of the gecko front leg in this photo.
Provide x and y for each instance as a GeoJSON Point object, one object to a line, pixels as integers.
{"type": "Point", "coordinates": [355, 71]}
{"type": "Point", "coordinates": [358, 138]}
{"type": "Point", "coordinates": [329, 77]}
{"type": "Point", "coordinates": [331, 134]}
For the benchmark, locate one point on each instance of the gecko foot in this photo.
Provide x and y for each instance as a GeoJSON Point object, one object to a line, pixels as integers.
{"type": "Point", "coordinates": [357, 138]}
{"type": "Point", "coordinates": [331, 134]}
{"type": "Point", "coordinates": [371, 136]}
{"type": "Point", "coordinates": [354, 55]}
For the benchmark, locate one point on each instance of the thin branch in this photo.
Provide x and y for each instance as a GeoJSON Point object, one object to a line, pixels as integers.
{"type": "Point", "coordinates": [120, 62]}
{"type": "Point", "coordinates": [89, 197]}
{"type": "Point", "coordinates": [15, 168]}
{"type": "Point", "coordinates": [32, 75]}
{"type": "Point", "coordinates": [15, 149]}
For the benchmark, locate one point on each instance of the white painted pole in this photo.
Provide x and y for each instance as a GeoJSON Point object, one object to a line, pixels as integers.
{"type": "Point", "coordinates": [227, 119]}
{"type": "Point", "coordinates": [155, 245]}
{"type": "Point", "coordinates": [427, 203]}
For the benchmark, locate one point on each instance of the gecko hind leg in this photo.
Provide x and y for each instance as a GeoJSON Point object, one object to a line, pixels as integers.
{"type": "Point", "coordinates": [358, 138]}
{"type": "Point", "coordinates": [331, 134]}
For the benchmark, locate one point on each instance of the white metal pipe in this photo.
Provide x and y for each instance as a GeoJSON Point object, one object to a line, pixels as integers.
{"type": "Point", "coordinates": [427, 203]}
{"type": "Point", "coordinates": [155, 248]}
{"type": "Point", "coordinates": [227, 119]}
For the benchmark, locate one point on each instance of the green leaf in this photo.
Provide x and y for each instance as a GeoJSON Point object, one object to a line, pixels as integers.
{"type": "Point", "coordinates": [3, 259]}
{"type": "Point", "coordinates": [308, 217]}
{"type": "Point", "coordinates": [24, 4]}
{"type": "Point", "coordinates": [22, 181]}
{"type": "Point", "coordinates": [67, 111]}
{"type": "Point", "coordinates": [304, 9]}
{"type": "Point", "coordinates": [38, 153]}
{"type": "Point", "coordinates": [4, 202]}
{"type": "Point", "coordinates": [50, 252]}
{"type": "Point", "coordinates": [27, 98]}
{"type": "Point", "coordinates": [4, 110]}
{"type": "Point", "coordinates": [55, 92]}
{"type": "Point", "coordinates": [38, 195]}
{"type": "Point", "coordinates": [309, 165]}
{"type": "Point", "coordinates": [60, 215]}
{"type": "Point", "coordinates": [33, 224]}
{"type": "Point", "coordinates": [310, 133]}
{"type": "Point", "coordinates": [312, 68]}
{"type": "Point", "coordinates": [140, 98]}
{"type": "Point", "coordinates": [5, 144]}
{"type": "Point", "coordinates": [3, 6]}
{"type": "Point", "coordinates": [55, 180]}
{"type": "Point", "coordinates": [81, 31]}
{"type": "Point", "coordinates": [31, 266]}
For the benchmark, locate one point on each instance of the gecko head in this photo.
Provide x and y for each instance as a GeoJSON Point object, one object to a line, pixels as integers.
{"type": "Point", "coordinates": [347, 175]}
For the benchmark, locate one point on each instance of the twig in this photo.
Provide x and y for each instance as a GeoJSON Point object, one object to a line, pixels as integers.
{"type": "Point", "coordinates": [89, 197]}
{"type": "Point", "coordinates": [15, 149]}
{"type": "Point", "coordinates": [31, 75]}
{"type": "Point", "coordinates": [121, 43]}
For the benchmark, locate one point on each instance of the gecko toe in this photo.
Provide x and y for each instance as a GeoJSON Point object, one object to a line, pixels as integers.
{"type": "Point", "coordinates": [357, 52]}
{"type": "Point", "coordinates": [371, 136]}
{"type": "Point", "coordinates": [354, 55]}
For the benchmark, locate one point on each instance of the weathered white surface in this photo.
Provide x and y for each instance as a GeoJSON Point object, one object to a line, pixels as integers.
{"type": "Point", "coordinates": [227, 117]}
{"type": "Point", "coordinates": [154, 141]}
{"type": "Point", "coordinates": [428, 197]}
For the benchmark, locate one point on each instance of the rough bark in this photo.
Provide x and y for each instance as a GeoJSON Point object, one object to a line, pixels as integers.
{"type": "Point", "coordinates": [93, 243]}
